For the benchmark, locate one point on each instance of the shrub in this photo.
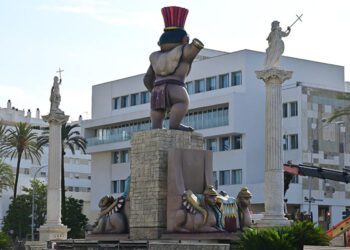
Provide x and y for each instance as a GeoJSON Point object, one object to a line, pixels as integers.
{"type": "Point", "coordinates": [292, 237]}
{"type": "Point", "coordinates": [265, 239]}
{"type": "Point", "coordinates": [306, 233]}
{"type": "Point", "coordinates": [5, 242]}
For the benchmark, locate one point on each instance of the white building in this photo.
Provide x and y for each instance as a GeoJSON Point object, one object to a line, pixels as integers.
{"type": "Point", "coordinates": [228, 108]}
{"type": "Point", "coordinates": [77, 166]}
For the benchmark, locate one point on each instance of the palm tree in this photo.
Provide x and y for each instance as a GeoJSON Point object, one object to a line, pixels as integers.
{"type": "Point", "coordinates": [2, 132]}
{"type": "Point", "coordinates": [70, 139]}
{"type": "Point", "coordinates": [18, 142]}
{"type": "Point", "coordinates": [6, 176]}
{"type": "Point", "coordinates": [345, 111]}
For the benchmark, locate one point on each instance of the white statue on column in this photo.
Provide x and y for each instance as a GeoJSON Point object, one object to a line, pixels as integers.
{"type": "Point", "coordinates": [276, 45]}
{"type": "Point", "coordinates": [55, 97]}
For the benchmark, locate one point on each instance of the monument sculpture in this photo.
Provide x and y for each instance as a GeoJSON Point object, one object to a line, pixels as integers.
{"type": "Point", "coordinates": [55, 97]}
{"type": "Point", "coordinates": [193, 205]}
{"type": "Point", "coordinates": [243, 197]}
{"type": "Point", "coordinates": [165, 76]}
{"type": "Point", "coordinates": [114, 214]}
{"type": "Point", "coordinates": [53, 229]}
{"type": "Point", "coordinates": [273, 77]}
{"type": "Point", "coordinates": [276, 45]}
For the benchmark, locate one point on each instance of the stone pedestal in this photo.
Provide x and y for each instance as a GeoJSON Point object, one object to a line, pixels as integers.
{"type": "Point", "coordinates": [148, 189]}
{"type": "Point", "coordinates": [274, 181]}
{"type": "Point", "coordinates": [35, 245]}
{"type": "Point", "coordinates": [53, 229]}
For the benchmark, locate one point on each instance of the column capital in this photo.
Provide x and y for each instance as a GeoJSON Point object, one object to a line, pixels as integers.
{"type": "Point", "coordinates": [56, 118]}
{"type": "Point", "coordinates": [274, 75]}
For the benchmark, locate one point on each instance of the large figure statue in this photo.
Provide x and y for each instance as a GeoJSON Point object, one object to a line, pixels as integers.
{"type": "Point", "coordinates": [165, 76]}
{"type": "Point", "coordinates": [55, 97]}
{"type": "Point", "coordinates": [276, 45]}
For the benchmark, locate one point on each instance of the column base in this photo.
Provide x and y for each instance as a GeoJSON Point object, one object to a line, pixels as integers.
{"type": "Point", "coordinates": [273, 221]}
{"type": "Point", "coordinates": [49, 232]}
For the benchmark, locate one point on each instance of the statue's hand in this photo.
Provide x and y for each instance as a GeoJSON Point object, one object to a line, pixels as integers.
{"type": "Point", "coordinates": [288, 28]}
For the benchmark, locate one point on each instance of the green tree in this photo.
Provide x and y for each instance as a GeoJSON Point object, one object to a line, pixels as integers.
{"type": "Point", "coordinates": [40, 198]}
{"type": "Point", "coordinates": [20, 141]}
{"type": "Point", "coordinates": [345, 111]}
{"type": "Point", "coordinates": [70, 139]}
{"type": "Point", "coordinates": [75, 219]}
{"type": "Point", "coordinates": [6, 176]}
{"type": "Point", "coordinates": [18, 216]}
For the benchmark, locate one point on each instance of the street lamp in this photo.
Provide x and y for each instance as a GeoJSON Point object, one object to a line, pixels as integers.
{"type": "Point", "coordinates": [310, 200]}
{"type": "Point", "coordinates": [33, 201]}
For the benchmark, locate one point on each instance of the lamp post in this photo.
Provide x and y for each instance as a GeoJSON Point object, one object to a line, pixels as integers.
{"type": "Point", "coordinates": [33, 201]}
{"type": "Point", "coordinates": [313, 127]}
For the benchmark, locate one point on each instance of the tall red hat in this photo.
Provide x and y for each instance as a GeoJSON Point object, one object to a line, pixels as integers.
{"type": "Point", "coordinates": [174, 17]}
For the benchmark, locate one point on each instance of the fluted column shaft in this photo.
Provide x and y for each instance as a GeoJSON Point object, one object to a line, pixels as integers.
{"type": "Point", "coordinates": [274, 181]}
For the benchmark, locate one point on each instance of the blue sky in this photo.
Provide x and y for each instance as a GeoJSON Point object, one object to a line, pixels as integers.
{"type": "Point", "coordinates": [95, 41]}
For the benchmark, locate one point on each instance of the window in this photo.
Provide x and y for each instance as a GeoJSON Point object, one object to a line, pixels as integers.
{"type": "Point", "coordinates": [214, 176]}
{"type": "Point", "coordinates": [76, 176]}
{"type": "Point", "coordinates": [237, 142]}
{"type": "Point", "coordinates": [224, 143]}
{"type": "Point", "coordinates": [294, 109]}
{"type": "Point", "coordinates": [76, 189]}
{"type": "Point", "coordinates": [224, 177]}
{"type": "Point", "coordinates": [212, 144]}
{"type": "Point", "coordinates": [42, 174]}
{"type": "Point", "coordinates": [236, 176]}
{"type": "Point", "coordinates": [211, 83]}
{"type": "Point", "coordinates": [293, 141]}
{"type": "Point", "coordinates": [118, 186]}
{"type": "Point", "coordinates": [116, 103]}
{"type": "Point", "coordinates": [89, 177]}
{"type": "Point", "coordinates": [190, 88]}
{"type": "Point", "coordinates": [124, 156]}
{"type": "Point", "coordinates": [124, 102]}
{"type": "Point", "coordinates": [285, 110]}
{"type": "Point", "coordinates": [144, 97]}
{"type": "Point", "coordinates": [223, 81]}
{"type": "Point", "coordinates": [285, 142]}
{"type": "Point", "coordinates": [200, 86]}
{"type": "Point", "coordinates": [115, 157]}
{"type": "Point", "coordinates": [315, 146]}
{"type": "Point", "coordinates": [135, 99]}
{"type": "Point", "coordinates": [88, 189]}
{"type": "Point", "coordinates": [70, 189]}
{"type": "Point", "coordinates": [26, 171]}
{"type": "Point", "coordinates": [295, 179]}
{"type": "Point", "coordinates": [236, 78]}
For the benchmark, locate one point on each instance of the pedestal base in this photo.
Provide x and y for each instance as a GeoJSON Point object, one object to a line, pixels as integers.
{"type": "Point", "coordinates": [49, 232]}
{"type": "Point", "coordinates": [35, 245]}
{"type": "Point", "coordinates": [273, 221]}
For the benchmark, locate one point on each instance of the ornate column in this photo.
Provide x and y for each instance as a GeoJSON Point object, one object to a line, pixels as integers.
{"type": "Point", "coordinates": [274, 181]}
{"type": "Point", "coordinates": [53, 229]}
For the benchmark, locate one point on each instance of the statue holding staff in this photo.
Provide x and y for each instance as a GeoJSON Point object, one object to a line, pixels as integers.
{"type": "Point", "coordinates": [276, 44]}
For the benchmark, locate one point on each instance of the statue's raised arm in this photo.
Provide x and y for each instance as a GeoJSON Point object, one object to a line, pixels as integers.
{"type": "Point", "coordinates": [276, 45]}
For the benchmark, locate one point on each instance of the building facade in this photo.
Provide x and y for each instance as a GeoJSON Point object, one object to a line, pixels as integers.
{"type": "Point", "coordinates": [77, 166]}
{"type": "Point", "coordinates": [228, 107]}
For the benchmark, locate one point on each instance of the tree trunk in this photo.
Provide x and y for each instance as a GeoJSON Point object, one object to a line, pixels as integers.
{"type": "Point", "coordinates": [17, 175]}
{"type": "Point", "coordinates": [63, 189]}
